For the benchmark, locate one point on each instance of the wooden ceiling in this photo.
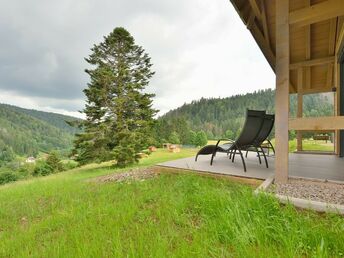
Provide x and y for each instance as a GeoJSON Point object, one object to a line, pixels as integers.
{"type": "Point", "coordinates": [313, 38]}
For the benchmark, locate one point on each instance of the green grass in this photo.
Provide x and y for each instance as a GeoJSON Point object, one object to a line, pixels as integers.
{"type": "Point", "coordinates": [172, 215]}
{"type": "Point", "coordinates": [311, 145]}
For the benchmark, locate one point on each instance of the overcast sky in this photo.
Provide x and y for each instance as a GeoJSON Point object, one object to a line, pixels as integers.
{"type": "Point", "coordinates": [199, 48]}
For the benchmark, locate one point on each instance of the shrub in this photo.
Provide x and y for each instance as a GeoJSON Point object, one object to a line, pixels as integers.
{"type": "Point", "coordinates": [70, 164]}
{"type": "Point", "coordinates": [42, 169]}
{"type": "Point", "coordinates": [7, 176]}
{"type": "Point", "coordinates": [54, 162]}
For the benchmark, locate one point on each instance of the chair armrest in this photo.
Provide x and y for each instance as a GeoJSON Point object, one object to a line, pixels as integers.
{"type": "Point", "coordinates": [224, 139]}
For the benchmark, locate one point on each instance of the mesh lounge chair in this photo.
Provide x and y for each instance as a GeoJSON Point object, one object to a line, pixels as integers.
{"type": "Point", "coordinates": [253, 124]}
{"type": "Point", "coordinates": [259, 144]}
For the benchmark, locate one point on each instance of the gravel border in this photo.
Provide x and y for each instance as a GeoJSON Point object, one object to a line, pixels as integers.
{"type": "Point", "coordinates": [326, 192]}
{"type": "Point", "coordinates": [138, 174]}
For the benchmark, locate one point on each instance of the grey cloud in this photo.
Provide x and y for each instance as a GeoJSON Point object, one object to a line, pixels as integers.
{"type": "Point", "coordinates": [44, 42]}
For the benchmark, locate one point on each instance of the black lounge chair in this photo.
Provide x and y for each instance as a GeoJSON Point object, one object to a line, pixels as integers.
{"type": "Point", "coordinates": [259, 145]}
{"type": "Point", "coordinates": [253, 124]}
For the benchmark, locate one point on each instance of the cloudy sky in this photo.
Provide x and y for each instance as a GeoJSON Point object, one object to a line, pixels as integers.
{"type": "Point", "coordinates": [199, 48]}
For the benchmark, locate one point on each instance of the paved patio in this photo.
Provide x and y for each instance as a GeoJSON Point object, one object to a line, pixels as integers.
{"type": "Point", "coordinates": [328, 167]}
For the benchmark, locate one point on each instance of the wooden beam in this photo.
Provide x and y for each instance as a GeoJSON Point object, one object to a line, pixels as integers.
{"type": "Point", "coordinates": [313, 62]}
{"type": "Point", "coordinates": [331, 51]}
{"type": "Point", "coordinates": [264, 22]}
{"type": "Point", "coordinates": [308, 39]}
{"type": "Point", "coordinates": [282, 91]}
{"type": "Point", "coordinates": [255, 8]}
{"type": "Point", "coordinates": [339, 44]}
{"type": "Point", "coordinates": [332, 37]}
{"type": "Point", "coordinates": [299, 106]}
{"type": "Point", "coordinates": [340, 38]}
{"type": "Point", "coordinates": [250, 20]}
{"type": "Point", "coordinates": [305, 91]}
{"type": "Point", "coordinates": [316, 13]}
{"type": "Point", "coordinates": [329, 79]}
{"type": "Point", "coordinates": [317, 123]}
{"type": "Point", "coordinates": [264, 46]}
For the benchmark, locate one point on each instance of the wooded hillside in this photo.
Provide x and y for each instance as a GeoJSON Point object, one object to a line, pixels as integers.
{"type": "Point", "coordinates": [27, 132]}
{"type": "Point", "coordinates": [219, 117]}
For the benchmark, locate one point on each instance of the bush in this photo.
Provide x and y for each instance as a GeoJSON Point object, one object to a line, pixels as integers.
{"type": "Point", "coordinates": [6, 177]}
{"type": "Point", "coordinates": [70, 164]}
{"type": "Point", "coordinates": [54, 162]}
{"type": "Point", "coordinates": [42, 169]}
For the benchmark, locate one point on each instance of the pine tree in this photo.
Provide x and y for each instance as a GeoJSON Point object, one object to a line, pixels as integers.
{"type": "Point", "coordinates": [119, 115]}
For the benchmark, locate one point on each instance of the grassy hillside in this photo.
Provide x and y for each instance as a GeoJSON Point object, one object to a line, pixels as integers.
{"type": "Point", "coordinates": [171, 215]}
{"type": "Point", "coordinates": [28, 132]}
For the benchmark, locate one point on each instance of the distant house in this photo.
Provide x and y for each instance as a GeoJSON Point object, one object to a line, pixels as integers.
{"type": "Point", "coordinates": [30, 160]}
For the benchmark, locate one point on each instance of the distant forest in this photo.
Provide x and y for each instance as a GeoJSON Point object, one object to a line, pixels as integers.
{"type": "Point", "coordinates": [27, 132]}
{"type": "Point", "coordinates": [224, 117]}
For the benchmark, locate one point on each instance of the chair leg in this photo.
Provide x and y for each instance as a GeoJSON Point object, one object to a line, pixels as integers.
{"type": "Point", "coordinates": [246, 154]}
{"type": "Point", "coordinates": [234, 152]}
{"type": "Point", "coordinates": [243, 160]}
{"type": "Point", "coordinates": [272, 147]}
{"type": "Point", "coordinates": [260, 160]}
{"type": "Point", "coordinates": [266, 161]}
{"type": "Point", "coordinates": [212, 157]}
{"type": "Point", "coordinates": [196, 157]}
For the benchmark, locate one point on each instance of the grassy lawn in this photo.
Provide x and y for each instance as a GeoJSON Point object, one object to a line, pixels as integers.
{"type": "Point", "coordinates": [307, 145]}
{"type": "Point", "coordinates": [172, 215]}
{"type": "Point", "coordinates": [311, 145]}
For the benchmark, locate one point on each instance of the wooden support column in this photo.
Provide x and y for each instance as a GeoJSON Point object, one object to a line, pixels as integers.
{"type": "Point", "coordinates": [299, 106]}
{"type": "Point", "coordinates": [339, 44]}
{"type": "Point", "coordinates": [282, 90]}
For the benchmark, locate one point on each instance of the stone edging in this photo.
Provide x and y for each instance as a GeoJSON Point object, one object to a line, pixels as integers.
{"type": "Point", "coordinates": [301, 203]}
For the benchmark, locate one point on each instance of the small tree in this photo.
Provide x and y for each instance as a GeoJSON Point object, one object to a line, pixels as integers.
{"type": "Point", "coordinates": [54, 162]}
{"type": "Point", "coordinates": [192, 137]}
{"type": "Point", "coordinates": [174, 138]}
{"type": "Point", "coordinates": [201, 138]}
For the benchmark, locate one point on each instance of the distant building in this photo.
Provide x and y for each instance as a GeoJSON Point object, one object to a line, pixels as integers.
{"type": "Point", "coordinates": [30, 160]}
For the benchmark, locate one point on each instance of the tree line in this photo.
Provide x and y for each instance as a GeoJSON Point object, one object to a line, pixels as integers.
{"type": "Point", "coordinates": [224, 117]}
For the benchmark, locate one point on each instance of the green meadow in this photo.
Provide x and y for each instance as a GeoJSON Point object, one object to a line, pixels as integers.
{"type": "Point", "coordinates": [179, 214]}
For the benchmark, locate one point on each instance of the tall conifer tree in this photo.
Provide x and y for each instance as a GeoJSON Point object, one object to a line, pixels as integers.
{"type": "Point", "coordinates": [119, 114]}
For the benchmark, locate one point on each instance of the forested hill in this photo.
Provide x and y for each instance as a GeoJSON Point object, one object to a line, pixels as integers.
{"type": "Point", "coordinates": [215, 116]}
{"type": "Point", "coordinates": [27, 132]}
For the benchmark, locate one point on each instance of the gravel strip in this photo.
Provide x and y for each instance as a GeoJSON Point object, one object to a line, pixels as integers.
{"type": "Point", "coordinates": [311, 190]}
{"type": "Point", "coordinates": [133, 174]}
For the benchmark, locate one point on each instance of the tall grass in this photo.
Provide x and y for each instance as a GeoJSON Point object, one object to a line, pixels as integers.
{"type": "Point", "coordinates": [172, 215]}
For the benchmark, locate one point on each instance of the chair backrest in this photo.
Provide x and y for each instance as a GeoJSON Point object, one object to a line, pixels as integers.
{"type": "Point", "coordinates": [253, 124]}
{"type": "Point", "coordinates": [266, 129]}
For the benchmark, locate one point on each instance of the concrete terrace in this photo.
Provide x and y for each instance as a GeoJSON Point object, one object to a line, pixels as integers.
{"type": "Point", "coordinates": [323, 167]}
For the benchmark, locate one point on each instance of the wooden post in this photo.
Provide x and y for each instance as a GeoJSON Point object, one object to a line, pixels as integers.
{"type": "Point", "coordinates": [299, 105]}
{"type": "Point", "coordinates": [282, 90]}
